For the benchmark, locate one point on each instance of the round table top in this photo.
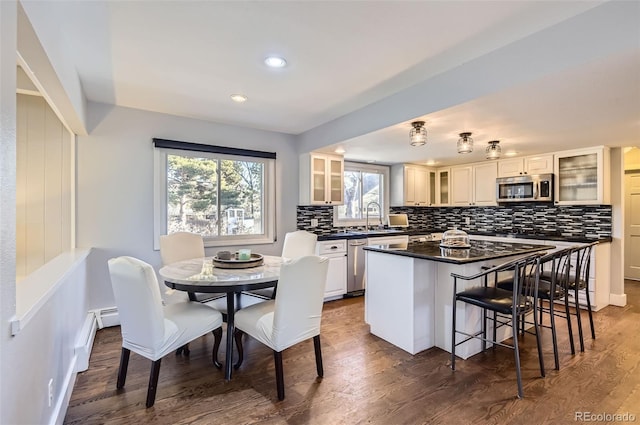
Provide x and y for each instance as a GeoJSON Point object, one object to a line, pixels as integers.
{"type": "Point", "coordinates": [201, 275]}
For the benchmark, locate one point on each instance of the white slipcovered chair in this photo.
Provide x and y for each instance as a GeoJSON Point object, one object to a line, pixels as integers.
{"type": "Point", "coordinates": [292, 317]}
{"type": "Point", "coordinates": [296, 244]}
{"type": "Point", "coordinates": [181, 246]}
{"type": "Point", "coordinates": [299, 244]}
{"type": "Point", "coordinates": [150, 329]}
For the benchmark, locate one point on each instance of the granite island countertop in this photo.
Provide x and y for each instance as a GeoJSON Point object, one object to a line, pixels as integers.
{"type": "Point", "coordinates": [479, 250]}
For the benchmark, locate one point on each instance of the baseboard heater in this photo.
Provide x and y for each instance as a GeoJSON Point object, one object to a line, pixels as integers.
{"type": "Point", "coordinates": [96, 319]}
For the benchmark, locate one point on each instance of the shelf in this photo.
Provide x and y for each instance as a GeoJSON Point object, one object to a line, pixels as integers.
{"type": "Point", "coordinates": [578, 185]}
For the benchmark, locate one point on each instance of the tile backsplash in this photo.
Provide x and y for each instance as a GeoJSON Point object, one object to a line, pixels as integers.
{"type": "Point", "coordinates": [589, 221]}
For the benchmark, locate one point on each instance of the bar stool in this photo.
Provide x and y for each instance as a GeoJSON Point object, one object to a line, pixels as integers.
{"type": "Point", "coordinates": [508, 307]}
{"type": "Point", "coordinates": [574, 282]}
{"type": "Point", "coordinates": [552, 292]}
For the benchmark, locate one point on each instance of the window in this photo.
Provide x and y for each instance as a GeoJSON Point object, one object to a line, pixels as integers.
{"type": "Point", "coordinates": [226, 197]}
{"type": "Point", "coordinates": [365, 188]}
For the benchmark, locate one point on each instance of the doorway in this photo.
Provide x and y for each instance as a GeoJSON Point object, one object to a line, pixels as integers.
{"type": "Point", "coordinates": [632, 214]}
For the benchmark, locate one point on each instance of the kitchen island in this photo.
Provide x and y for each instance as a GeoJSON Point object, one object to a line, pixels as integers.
{"type": "Point", "coordinates": [408, 296]}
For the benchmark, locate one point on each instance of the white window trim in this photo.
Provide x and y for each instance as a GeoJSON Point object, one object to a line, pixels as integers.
{"type": "Point", "coordinates": [357, 166]}
{"type": "Point", "coordinates": [160, 201]}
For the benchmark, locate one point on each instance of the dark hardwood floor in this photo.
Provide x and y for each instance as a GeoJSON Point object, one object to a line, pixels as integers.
{"type": "Point", "coordinates": [369, 381]}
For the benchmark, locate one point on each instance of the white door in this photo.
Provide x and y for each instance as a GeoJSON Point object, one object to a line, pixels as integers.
{"type": "Point", "coordinates": [632, 226]}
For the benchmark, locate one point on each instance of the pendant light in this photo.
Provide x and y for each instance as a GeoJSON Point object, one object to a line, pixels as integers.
{"type": "Point", "coordinates": [418, 134]}
{"type": "Point", "coordinates": [493, 150]}
{"type": "Point", "coordinates": [465, 143]}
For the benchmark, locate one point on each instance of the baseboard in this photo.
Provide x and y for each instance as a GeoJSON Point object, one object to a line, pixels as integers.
{"type": "Point", "coordinates": [84, 342]}
{"type": "Point", "coordinates": [60, 409]}
{"type": "Point", "coordinates": [107, 317]}
{"type": "Point", "coordinates": [619, 300]}
{"type": "Point", "coordinates": [96, 319]}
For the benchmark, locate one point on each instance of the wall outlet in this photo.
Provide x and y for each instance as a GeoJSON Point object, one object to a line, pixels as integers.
{"type": "Point", "coordinates": [50, 392]}
{"type": "Point", "coordinates": [467, 220]}
{"type": "Point", "coordinates": [314, 222]}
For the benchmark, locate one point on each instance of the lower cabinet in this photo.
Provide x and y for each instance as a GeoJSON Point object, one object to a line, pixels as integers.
{"type": "Point", "coordinates": [336, 252]}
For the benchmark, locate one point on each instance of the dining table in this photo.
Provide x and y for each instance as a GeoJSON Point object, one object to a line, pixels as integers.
{"type": "Point", "coordinates": [201, 275]}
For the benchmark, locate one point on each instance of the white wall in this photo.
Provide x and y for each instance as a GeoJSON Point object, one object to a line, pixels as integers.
{"type": "Point", "coordinates": [115, 183]}
{"type": "Point", "coordinates": [45, 348]}
{"type": "Point", "coordinates": [8, 43]}
{"type": "Point", "coordinates": [44, 50]}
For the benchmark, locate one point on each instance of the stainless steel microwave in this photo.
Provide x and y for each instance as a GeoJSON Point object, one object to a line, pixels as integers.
{"type": "Point", "coordinates": [527, 188]}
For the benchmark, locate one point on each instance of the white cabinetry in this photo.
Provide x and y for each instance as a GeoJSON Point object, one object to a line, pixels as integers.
{"type": "Point", "coordinates": [384, 240]}
{"type": "Point", "coordinates": [321, 179]}
{"type": "Point", "coordinates": [411, 184]}
{"type": "Point", "coordinates": [461, 186]}
{"type": "Point", "coordinates": [474, 185]}
{"type": "Point", "coordinates": [582, 176]}
{"type": "Point", "coordinates": [336, 252]}
{"type": "Point", "coordinates": [443, 185]}
{"type": "Point", "coordinates": [538, 164]}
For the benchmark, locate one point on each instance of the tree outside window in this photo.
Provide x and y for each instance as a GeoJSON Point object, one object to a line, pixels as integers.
{"type": "Point", "coordinates": [361, 188]}
{"type": "Point", "coordinates": [215, 196]}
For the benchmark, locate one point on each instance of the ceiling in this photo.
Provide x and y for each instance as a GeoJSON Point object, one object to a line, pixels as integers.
{"type": "Point", "coordinates": [187, 58]}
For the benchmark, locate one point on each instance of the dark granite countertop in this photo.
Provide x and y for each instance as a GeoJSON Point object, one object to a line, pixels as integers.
{"type": "Point", "coordinates": [359, 234]}
{"type": "Point", "coordinates": [479, 251]}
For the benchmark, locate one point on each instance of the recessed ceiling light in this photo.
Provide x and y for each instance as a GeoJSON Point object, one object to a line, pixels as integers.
{"type": "Point", "coordinates": [431, 162]}
{"type": "Point", "coordinates": [511, 153]}
{"type": "Point", "coordinates": [340, 150]}
{"type": "Point", "coordinates": [275, 62]}
{"type": "Point", "coordinates": [238, 98]}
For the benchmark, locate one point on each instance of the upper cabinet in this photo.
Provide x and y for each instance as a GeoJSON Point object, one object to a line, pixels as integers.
{"type": "Point", "coordinates": [538, 164]}
{"type": "Point", "coordinates": [443, 185]}
{"type": "Point", "coordinates": [412, 185]}
{"type": "Point", "coordinates": [474, 185]}
{"type": "Point", "coordinates": [582, 176]}
{"type": "Point", "coordinates": [321, 179]}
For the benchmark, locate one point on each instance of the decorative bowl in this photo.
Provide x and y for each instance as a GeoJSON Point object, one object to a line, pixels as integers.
{"type": "Point", "coordinates": [455, 238]}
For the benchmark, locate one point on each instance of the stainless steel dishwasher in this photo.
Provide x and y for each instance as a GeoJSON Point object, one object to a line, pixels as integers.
{"type": "Point", "coordinates": [355, 267]}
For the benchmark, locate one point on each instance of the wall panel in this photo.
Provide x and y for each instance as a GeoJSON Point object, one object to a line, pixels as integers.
{"type": "Point", "coordinates": [43, 204]}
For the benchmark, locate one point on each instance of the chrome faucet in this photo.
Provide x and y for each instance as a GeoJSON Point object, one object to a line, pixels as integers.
{"type": "Point", "coordinates": [379, 213]}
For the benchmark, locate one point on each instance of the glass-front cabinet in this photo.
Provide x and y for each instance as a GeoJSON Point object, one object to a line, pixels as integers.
{"type": "Point", "coordinates": [581, 176]}
{"type": "Point", "coordinates": [433, 198]}
{"type": "Point", "coordinates": [443, 186]}
{"type": "Point", "coordinates": [321, 179]}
